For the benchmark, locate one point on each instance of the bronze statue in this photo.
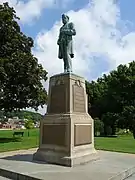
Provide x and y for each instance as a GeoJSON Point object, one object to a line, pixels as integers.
{"type": "Point", "coordinates": [65, 43]}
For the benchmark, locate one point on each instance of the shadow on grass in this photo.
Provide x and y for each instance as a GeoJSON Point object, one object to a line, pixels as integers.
{"type": "Point", "coordinates": [8, 140]}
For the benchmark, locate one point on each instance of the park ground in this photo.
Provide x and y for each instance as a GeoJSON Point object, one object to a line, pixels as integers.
{"type": "Point", "coordinates": [123, 143]}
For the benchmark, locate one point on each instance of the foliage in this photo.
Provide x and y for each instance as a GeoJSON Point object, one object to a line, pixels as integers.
{"type": "Point", "coordinates": [21, 115]}
{"type": "Point", "coordinates": [98, 126]}
{"type": "Point", "coordinates": [21, 76]}
{"type": "Point", "coordinates": [123, 131]}
{"type": "Point", "coordinates": [110, 123]}
{"type": "Point", "coordinates": [128, 118]}
{"type": "Point", "coordinates": [30, 115]}
{"type": "Point", "coordinates": [29, 124]}
{"type": "Point", "coordinates": [110, 94]}
{"type": "Point", "coordinates": [95, 92]}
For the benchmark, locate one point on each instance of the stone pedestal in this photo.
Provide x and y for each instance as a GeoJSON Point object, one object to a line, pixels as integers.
{"type": "Point", "coordinates": [66, 132]}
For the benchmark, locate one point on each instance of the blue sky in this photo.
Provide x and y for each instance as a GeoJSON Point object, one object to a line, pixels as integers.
{"type": "Point", "coordinates": [105, 33]}
{"type": "Point", "coordinates": [49, 16]}
{"type": "Point", "coordinates": [126, 8]}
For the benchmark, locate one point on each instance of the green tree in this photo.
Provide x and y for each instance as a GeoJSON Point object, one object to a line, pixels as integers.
{"type": "Point", "coordinates": [121, 84]}
{"type": "Point", "coordinates": [21, 76]}
{"type": "Point", "coordinates": [110, 94]}
{"type": "Point", "coordinates": [110, 123]}
{"type": "Point", "coordinates": [128, 119]}
{"type": "Point", "coordinates": [98, 126]}
{"type": "Point", "coordinates": [95, 91]}
{"type": "Point", "coordinates": [22, 115]}
{"type": "Point", "coordinates": [29, 125]}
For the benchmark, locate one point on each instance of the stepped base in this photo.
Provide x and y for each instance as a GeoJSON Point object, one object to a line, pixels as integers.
{"type": "Point", "coordinates": [60, 159]}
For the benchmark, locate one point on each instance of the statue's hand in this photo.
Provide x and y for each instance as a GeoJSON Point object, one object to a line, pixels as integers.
{"type": "Point", "coordinates": [72, 55]}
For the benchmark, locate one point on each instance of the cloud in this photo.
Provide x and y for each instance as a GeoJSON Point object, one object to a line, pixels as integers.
{"type": "Point", "coordinates": [99, 33]}
{"type": "Point", "coordinates": [32, 9]}
{"type": "Point", "coordinates": [103, 41]}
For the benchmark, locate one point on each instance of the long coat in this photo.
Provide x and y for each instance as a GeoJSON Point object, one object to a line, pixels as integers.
{"type": "Point", "coordinates": [65, 41]}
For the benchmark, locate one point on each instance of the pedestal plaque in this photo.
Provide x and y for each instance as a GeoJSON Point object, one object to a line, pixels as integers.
{"type": "Point", "coordinates": [82, 134]}
{"type": "Point", "coordinates": [78, 99]}
{"type": "Point", "coordinates": [58, 94]}
{"type": "Point", "coordinates": [54, 134]}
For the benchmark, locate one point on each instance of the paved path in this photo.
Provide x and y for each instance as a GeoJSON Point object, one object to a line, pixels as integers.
{"type": "Point", "coordinates": [110, 164]}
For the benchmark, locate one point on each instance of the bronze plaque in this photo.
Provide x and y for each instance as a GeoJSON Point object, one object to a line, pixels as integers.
{"type": "Point", "coordinates": [78, 99]}
{"type": "Point", "coordinates": [54, 134]}
{"type": "Point", "coordinates": [82, 134]}
{"type": "Point", "coordinates": [58, 99]}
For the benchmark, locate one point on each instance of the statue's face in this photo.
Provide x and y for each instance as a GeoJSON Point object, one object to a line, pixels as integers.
{"type": "Point", "coordinates": [64, 19]}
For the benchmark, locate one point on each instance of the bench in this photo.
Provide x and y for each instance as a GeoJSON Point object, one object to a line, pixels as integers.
{"type": "Point", "coordinates": [18, 133]}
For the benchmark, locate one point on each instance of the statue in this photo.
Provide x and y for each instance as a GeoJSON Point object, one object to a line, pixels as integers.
{"type": "Point", "coordinates": [65, 43]}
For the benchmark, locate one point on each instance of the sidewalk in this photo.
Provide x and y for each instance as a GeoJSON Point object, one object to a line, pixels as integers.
{"type": "Point", "coordinates": [110, 166]}
{"type": "Point", "coordinates": [3, 178]}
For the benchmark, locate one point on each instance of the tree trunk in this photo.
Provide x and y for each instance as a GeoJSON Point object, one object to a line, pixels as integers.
{"type": "Point", "coordinates": [113, 129]}
{"type": "Point", "coordinates": [105, 130]}
{"type": "Point", "coordinates": [134, 133]}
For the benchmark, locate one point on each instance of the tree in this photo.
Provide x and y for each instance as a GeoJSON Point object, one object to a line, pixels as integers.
{"type": "Point", "coordinates": [29, 125]}
{"type": "Point", "coordinates": [95, 91]}
{"type": "Point", "coordinates": [108, 96]}
{"type": "Point", "coordinates": [128, 118]}
{"type": "Point", "coordinates": [110, 123]}
{"type": "Point", "coordinates": [22, 115]}
{"type": "Point", "coordinates": [21, 76]}
{"type": "Point", "coordinates": [98, 126]}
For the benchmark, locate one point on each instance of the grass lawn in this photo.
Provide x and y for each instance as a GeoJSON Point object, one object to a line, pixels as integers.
{"type": "Point", "coordinates": [124, 143]}
{"type": "Point", "coordinates": [8, 143]}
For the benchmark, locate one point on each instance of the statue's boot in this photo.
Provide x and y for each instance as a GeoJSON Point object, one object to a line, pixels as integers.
{"type": "Point", "coordinates": [69, 70]}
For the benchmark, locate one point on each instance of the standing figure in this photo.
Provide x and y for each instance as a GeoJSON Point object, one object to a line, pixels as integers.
{"type": "Point", "coordinates": [65, 43]}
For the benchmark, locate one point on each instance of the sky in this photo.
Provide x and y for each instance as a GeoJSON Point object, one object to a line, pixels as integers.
{"type": "Point", "coordinates": [105, 33]}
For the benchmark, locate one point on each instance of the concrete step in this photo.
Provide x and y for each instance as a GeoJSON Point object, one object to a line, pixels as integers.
{"type": "Point", "coordinates": [110, 166]}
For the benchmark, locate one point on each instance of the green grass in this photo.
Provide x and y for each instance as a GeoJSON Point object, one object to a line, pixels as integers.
{"type": "Point", "coordinates": [124, 143]}
{"type": "Point", "coordinates": [9, 143]}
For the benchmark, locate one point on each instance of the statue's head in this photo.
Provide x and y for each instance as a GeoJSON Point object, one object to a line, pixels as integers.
{"type": "Point", "coordinates": [65, 18]}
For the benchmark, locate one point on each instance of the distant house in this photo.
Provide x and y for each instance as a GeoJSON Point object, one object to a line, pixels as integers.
{"type": "Point", "coordinates": [12, 123]}
{"type": "Point", "coordinates": [5, 126]}
{"type": "Point", "coordinates": [1, 125]}
{"type": "Point", "coordinates": [15, 123]}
